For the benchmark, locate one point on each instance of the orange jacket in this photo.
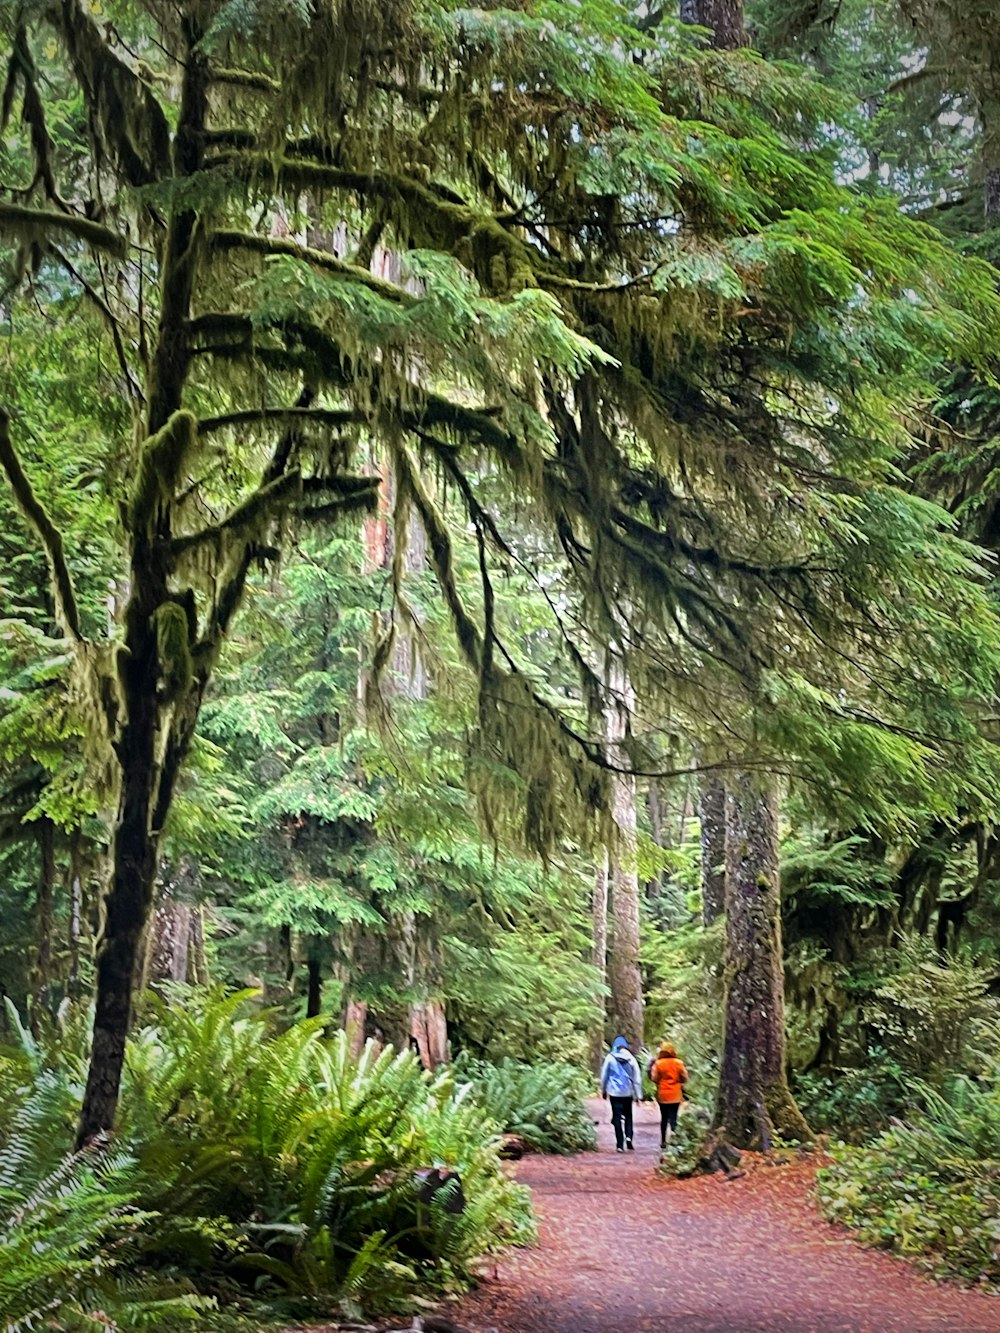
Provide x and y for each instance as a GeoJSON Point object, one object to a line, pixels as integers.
{"type": "Point", "coordinates": [669, 1075]}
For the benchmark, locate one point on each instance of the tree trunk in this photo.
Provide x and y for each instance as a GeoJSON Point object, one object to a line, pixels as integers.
{"type": "Point", "coordinates": [314, 993]}
{"type": "Point", "coordinates": [170, 940]}
{"type": "Point", "coordinates": [754, 1101]}
{"type": "Point", "coordinates": [127, 909]}
{"type": "Point", "coordinates": [46, 893]}
{"type": "Point", "coordinates": [147, 770]}
{"type": "Point", "coordinates": [198, 964]}
{"type": "Point", "coordinates": [624, 976]}
{"type": "Point", "coordinates": [712, 814]}
{"type": "Point", "coordinates": [992, 196]}
{"type": "Point", "coordinates": [724, 19]}
{"type": "Point", "coordinates": [405, 955]}
{"type": "Point", "coordinates": [598, 1040]}
{"type": "Point", "coordinates": [429, 1029]}
{"type": "Point", "coordinates": [169, 950]}
{"type": "Point", "coordinates": [75, 920]}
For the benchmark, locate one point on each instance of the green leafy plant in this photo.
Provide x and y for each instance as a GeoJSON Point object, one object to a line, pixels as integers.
{"type": "Point", "coordinates": [929, 1187]}
{"type": "Point", "coordinates": [541, 1104]}
{"type": "Point", "coordinates": [281, 1152]}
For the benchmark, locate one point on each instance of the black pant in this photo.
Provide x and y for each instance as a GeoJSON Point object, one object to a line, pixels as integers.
{"type": "Point", "coordinates": [621, 1110]}
{"type": "Point", "coordinates": [668, 1119]}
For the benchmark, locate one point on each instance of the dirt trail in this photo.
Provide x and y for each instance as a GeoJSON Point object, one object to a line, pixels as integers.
{"type": "Point", "coordinates": [624, 1252]}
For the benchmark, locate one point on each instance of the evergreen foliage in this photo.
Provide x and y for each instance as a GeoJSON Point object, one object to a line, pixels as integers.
{"type": "Point", "coordinates": [927, 1187]}
{"type": "Point", "coordinates": [541, 1104]}
{"type": "Point", "coordinates": [246, 1152]}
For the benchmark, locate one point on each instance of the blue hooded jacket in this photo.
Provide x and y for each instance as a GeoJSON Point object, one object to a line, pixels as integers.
{"type": "Point", "coordinates": [620, 1076]}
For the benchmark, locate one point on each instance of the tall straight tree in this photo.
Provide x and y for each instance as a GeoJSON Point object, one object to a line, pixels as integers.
{"type": "Point", "coordinates": [754, 1100]}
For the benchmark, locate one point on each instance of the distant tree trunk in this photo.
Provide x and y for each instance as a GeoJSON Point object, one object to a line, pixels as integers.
{"type": "Point", "coordinates": [46, 839]}
{"type": "Point", "coordinates": [600, 958]}
{"type": "Point", "coordinates": [429, 1029]}
{"type": "Point", "coordinates": [75, 933]}
{"type": "Point", "coordinates": [624, 976]}
{"type": "Point", "coordinates": [724, 19]}
{"type": "Point", "coordinates": [754, 1100]}
{"type": "Point", "coordinates": [198, 968]}
{"type": "Point", "coordinates": [712, 814]}
{"type": "Point", "coordinates": [170, 940]}
{"type": "Point", "coordinates": [992, 196]}
{"type": "Point", "coordinates": [169, 948]}
{"type": "Point", "coordinates": [314, 993]}
{"type": "Point", "coordinates": [405, 956]}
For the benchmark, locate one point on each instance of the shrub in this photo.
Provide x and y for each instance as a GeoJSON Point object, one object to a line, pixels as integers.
{"type": "Point", "coordinates": [929, 1188]}
{"type": "Point", "coordinates": [247, 1155]}
{"type": "Point", "coordinates": [854, 1104]}
{"type": "Point", "coordinates": [283, 1153]}
{"type": "Point", "coordinates": [542, 1104]}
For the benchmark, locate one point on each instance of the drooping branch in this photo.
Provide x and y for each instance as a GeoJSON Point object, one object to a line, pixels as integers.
{"type": "Point", "coordinates": [127, 122]}
{"type": "Point", "coordinates": [67, 611]}
{"type": "Point", "coordinates": [335, 418]}
{"type": "Point", "coordinates": [316, 352]}
{"type": "Point", "coordinates": [321, 259]}
{"type": "Point", "coordinates": [38, 224]}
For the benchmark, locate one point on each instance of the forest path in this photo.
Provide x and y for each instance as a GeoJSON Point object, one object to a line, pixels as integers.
{"type": "Point", "coordinates": [623, 1251]}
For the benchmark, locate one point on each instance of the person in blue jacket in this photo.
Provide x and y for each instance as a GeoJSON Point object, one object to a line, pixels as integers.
{"type": "Point", "coordinates": [621, 1083]}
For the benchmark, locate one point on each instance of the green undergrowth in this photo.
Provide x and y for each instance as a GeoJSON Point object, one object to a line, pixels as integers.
{"type": "Point", "coordinates": [542, 1104]}
{"type": "Point", "coordinates": [251, 1163]}
{"type": "Point", "coordinates": [929, 1187]}
{"type": "Point", "coordinates": [685, 1147]}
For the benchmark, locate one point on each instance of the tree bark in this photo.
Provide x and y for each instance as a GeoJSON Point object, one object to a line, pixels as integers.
{"type": "Point", "coordinates": [314, 993]}
{"type": "Point", "coordinates": [624, 976]}
{"type": "Point", "coordinates": [598, 1041]}
{"type": "Point", "coordinates": [75, 920]}
{"type": "Point", "coordinates": [723, 18]}
{"type": "Point", "coordinates": [147, 771]}
{"type": "Point", "coordinates": [992, 196]}
{"type": "Point", "coordinates": [712, 814]}
{"type": "Point", "coordinates": [46, 838]}
{"type": "Point", "coordinates": [754, 1101]}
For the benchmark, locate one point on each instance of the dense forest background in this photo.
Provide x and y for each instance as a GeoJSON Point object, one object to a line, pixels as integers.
{"type": "Point", "coordinates": [499, 551]}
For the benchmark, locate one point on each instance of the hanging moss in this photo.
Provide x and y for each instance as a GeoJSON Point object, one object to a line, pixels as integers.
{"type": "Point", "coordinates": [161, 463]}
{"type": "Point", "coordinates": [173, 649]}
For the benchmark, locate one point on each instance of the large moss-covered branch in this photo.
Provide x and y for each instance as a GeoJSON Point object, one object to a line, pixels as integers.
{"type": "Point", "coordinates": [51, 538]}
{"type": "Point", "coordinates": [315, 352]}
{"type": "Point", "coordinates": [321, 259]}
{"type": "Point", "coordinates": [432, 216]}
{"type": "Point", "coordinates": [334, 418]}
{"type": "Point", "coordinates": [127, 122]}
{"type": "Point", "coordinates": [38, 225]}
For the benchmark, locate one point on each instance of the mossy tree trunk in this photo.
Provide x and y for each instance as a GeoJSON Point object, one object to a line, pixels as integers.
{"type": "Point", "coordinates": [155, 728]}
{"type": "Point", "coordinates": [754, 1101]}
{"type": "Point", "coordinates": [712, 816]}
{"type": "Point", "coordinates": [599, 957]}
{"type": "Point", "coordinates": [44, 913]}
{"type": "Point", "coordinates": [624, 978]}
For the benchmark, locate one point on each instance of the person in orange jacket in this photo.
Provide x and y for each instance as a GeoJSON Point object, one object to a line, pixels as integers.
{"type": "Point", "coordinates": [669, 1075]}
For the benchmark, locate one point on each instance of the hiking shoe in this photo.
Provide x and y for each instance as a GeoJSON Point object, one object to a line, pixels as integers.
{"type": "Point", "coordinates": [619, 1150]}
{"type": "Point", "coordinates": [628, 1145]}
